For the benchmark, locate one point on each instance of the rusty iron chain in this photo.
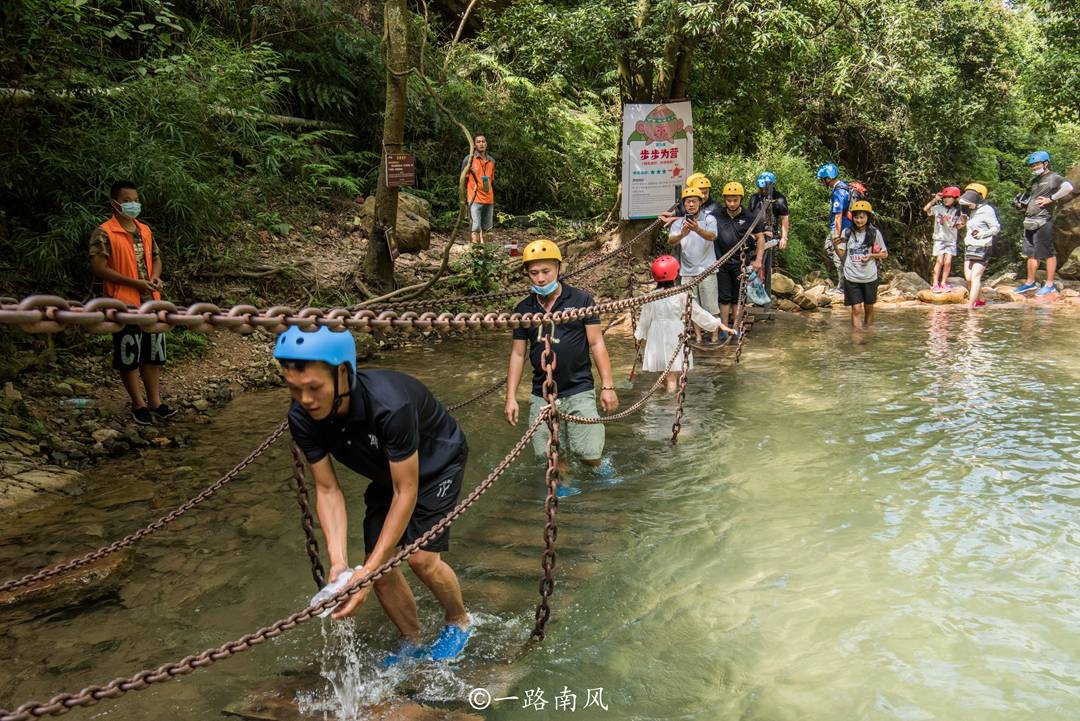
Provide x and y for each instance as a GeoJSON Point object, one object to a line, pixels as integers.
{"type": "Point", "coordinates": [548, 362]}
{"type": "Point", "coordinates": [61, 568]}
{"type": "Point", "coordinates": [306, 521]}
{"type": "Point", "coordinates": [64, 702]}
{"type": "Point", "coordinates": [482, 394]}
{"type": "Point", "coordinates": [50, 314]}
{"type": "Point", "coordinates": [680, 397]}
{"type": "Point", "coordinates": [741, 310]}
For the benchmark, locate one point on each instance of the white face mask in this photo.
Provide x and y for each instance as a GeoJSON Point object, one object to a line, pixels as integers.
{"type": "Point", "coordinates": [1038, 171]}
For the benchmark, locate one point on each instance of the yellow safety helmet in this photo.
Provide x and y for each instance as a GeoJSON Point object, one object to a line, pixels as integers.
{"type": "Point", "coordinates": [698, 180]}
{"type": "Point", "coordinates": [978, 188]}
{"type": "Point", "coordinates": [542, 249]}
{"type": "Point", "coordinates": [862, 206]}
{"type": "Point", "coordinates": [733, 188]}
{"type": "Point", "coordinates": [692, 192]}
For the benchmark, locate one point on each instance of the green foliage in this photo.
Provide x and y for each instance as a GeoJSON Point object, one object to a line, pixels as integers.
{"type": "Point", "coordinates": [482, 269]}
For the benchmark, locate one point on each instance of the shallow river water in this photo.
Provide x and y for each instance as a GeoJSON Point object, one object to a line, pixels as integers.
{"type": "Point", "coordinates": [883, 527]}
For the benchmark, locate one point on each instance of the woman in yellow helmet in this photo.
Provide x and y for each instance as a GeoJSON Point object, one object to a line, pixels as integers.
{"type": "Point", "coordinates": [576, 344]}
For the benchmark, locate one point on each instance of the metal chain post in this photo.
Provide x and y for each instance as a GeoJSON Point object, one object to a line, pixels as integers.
{"type": "Point", "coordinates": [688, 329]}
{"type": "Point", "coordinates": [306, 521]}
{"type": "Point", "coordinates": [550, 390]}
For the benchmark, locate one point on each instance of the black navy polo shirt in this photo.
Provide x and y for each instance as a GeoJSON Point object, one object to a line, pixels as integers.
{"type": "Point", "coordinates": [573, 367]}
{"type": "Point", "coordinates": [391, 416]}
{"type": "Point", "coordinates": [729, 231]}
{"type": "Point", "coordinates": [779, 208]}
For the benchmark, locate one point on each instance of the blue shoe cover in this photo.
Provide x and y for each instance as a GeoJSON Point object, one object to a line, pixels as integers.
{"type": "Point", "coordinates": [562, 491]}
{"type": "Point", "coordinates": [451, 642]}
{"type": "Point", "coordinates": [408, 652]}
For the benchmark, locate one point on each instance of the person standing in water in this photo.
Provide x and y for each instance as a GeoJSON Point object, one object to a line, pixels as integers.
{"type": "Point", "coordinates": [388, 427]}
{"type": "Point", "coordinates": [860, 248]}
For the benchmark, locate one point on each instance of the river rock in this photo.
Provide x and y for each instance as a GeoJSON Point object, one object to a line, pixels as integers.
{"type": "Point", "coordinates": [412, 232]}
{"type": "Point", "coordinates": [63, 389]}
{"type": "Point", "coordinates": [787, 306]}
{"type": "Point", "coordinates": [201, 404]}
{"type": "Point", "coordinates": [1071, 267]}
{"type": "Point", "coordinates": [104, 435]}
{"type": "Point", "coordinates": [783, 286]}
{"type": "Point", "coordinates": [820, 295]}
{"type": "Point", "coordinates": [97, 578]}
{"type": "Point", "coordinates": [25, 479]}
{"type": "Point", "coordinates": [954, 294]}
{"type": "Point", "coordinates": [1007, 277]}
{"type": "Point", "coordinates": [993, 295]}
{"type": "Point", "coordinates": [1067, 219]}
{"type": "Point", "coordinates": [907, 284]}
{"type": "Point", "coordinates": [1070, 293]}
{"type": "Point", "coordinates": [804, 301]}
{"type": "Point", "coordinates": [10, 394]}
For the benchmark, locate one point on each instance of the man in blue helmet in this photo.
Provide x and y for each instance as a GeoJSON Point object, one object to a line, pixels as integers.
{"type": "Point", "coordinates": [388, 427]}
{"type": "Point", "coordinates": [1047, 188]}
{"type": "Point", "coordinates": [776, 225]}
{"type": "Point", "coordinates": [840, 218]}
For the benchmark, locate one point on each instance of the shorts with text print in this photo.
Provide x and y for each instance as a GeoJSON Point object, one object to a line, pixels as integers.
{"type": "Point", "coordinates": [133, 348]}
{"type": "Point", "coordinates": [433, 503]}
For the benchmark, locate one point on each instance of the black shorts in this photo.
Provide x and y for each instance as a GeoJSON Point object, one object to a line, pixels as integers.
{"type": "Point", "coordinates": [133, 347]}
{"type": "Point", "coordinates": [860, 293]}
{"type": "Point", "coordinates": [977, 254]}
{"type": "Point", "coordinates": [727, 285]}
{"type": "Point", "coordinates": [1039, 244]}
{"type": "Point", "coordinates": [433, 503]}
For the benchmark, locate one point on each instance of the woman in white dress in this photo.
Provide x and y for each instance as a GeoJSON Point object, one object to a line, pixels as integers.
{"type": "Point", "coordinates": [661, 324]}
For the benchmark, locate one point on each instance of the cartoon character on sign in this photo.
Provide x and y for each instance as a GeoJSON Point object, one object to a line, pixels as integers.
{"type": "Point", "coordinates": [660, 125]}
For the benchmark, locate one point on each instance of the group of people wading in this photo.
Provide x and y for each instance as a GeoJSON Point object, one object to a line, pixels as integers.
{"type": "Point", "coordinates": [391, 429]}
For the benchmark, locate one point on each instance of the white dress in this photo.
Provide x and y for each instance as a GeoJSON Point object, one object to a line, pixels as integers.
{"type": "Point", "coordinates": [660, 326]}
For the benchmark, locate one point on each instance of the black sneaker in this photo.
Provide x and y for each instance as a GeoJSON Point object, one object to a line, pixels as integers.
{"type": "Point", "coordinates": [142, 416]}
{"type": "Point", "coordinates": [163, 411]}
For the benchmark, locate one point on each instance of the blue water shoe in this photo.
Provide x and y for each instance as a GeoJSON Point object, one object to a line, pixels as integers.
{"type": "Point", "coordinates": [1026, 287]}
{"type": "Point", "coordinates": [451, 642]}
{"type": "Point", "coordinates": [562, 491]}
{"type": "Point", "coordinates": [408, 652]}
{"type": "Point", "coordinates": [1045, 290]}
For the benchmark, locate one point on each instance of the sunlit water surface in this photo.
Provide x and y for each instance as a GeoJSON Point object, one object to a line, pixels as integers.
{"type": "Point", "coordinates": [878, 527]}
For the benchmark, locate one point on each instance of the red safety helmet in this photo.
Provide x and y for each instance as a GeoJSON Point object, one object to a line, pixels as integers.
{"type": "Point", "coordinates": [665, 268]}
{"type": "Point", "coordinates": [950, 192]}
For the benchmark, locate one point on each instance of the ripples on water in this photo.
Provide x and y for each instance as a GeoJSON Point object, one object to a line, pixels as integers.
{"type": "Point", "coordinates": [876, 528]}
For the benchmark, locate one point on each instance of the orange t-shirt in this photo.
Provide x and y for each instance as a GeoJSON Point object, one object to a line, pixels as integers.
{"type": "Point", "coordinates": [479, 168]}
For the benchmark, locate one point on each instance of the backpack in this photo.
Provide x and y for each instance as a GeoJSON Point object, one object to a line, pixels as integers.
{"type": "Point", "coordinates": [856, 190]}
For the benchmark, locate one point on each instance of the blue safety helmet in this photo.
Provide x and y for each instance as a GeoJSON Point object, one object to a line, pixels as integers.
{"type": "Point", "coordinates": [330, 347]}
{"type": "Point", "coordinates": [766, 178]}
{"type": "Point", "coordinates": [1039, 156]}
{"type": "Point", "coordinates": [828, 171]}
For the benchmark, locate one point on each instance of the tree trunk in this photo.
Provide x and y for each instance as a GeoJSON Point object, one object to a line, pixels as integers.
{"type": "Point", "coordinates": [379, 266]}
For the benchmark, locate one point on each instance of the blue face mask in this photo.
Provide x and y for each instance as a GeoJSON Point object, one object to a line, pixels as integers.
{"type": "Point", "coordinates": [131, 209]}
{"type": "Point", "coordinates": [545, 290]}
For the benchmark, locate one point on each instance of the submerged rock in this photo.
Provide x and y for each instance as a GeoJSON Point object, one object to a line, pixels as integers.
{"type": "Point", "coordinates": [954, 294]}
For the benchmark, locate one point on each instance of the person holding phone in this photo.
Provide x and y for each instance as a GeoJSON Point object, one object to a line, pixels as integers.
{"type": "Point", "coordinates": [694, 233]}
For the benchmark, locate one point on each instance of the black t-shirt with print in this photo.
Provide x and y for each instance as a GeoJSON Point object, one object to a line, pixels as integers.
{"type": "Point", "coordinates": [729, 231]}
{"type": "Point", "coordinates": [779, 208]}
{"type": "Point", "coordinates": [391, 416]}
{"type": "Point", "coordinates": [573, 367]}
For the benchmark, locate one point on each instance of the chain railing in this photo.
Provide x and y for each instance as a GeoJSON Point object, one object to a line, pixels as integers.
{"type": "Point", "coordinates": [307, 523]}
{"type": "Point", "coordinates": [91, 695]}
{"type": "Point", "coordinates": [62, 568]}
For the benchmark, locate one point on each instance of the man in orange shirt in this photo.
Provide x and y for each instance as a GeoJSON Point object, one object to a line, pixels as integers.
{"type": "Point", "coordinates": [479, 188]}
{"type": "Point", "coordinates": [123, 255]}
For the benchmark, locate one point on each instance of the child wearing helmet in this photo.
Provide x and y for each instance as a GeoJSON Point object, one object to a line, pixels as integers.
{"type": "Point", "coordinates": [945, 211]}
{"type": "Point", "coordinates": [661, 324]}
{"type": "Point", "coordinates": [982, 225]}
{"type": "Point", "coordinates": [860, 248]}
{"type": "Point", "coordinates": [1047, 188]}
{"type": "Point", "coordinates": [577, 345]}
{"type": "Point", "coordinates": [388, 427]}
{"type": "Point", "coordinates": [694, 233]}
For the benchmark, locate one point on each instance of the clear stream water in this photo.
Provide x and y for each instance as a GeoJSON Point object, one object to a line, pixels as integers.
{"type": "Point", "coordinates": [882, 527]}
